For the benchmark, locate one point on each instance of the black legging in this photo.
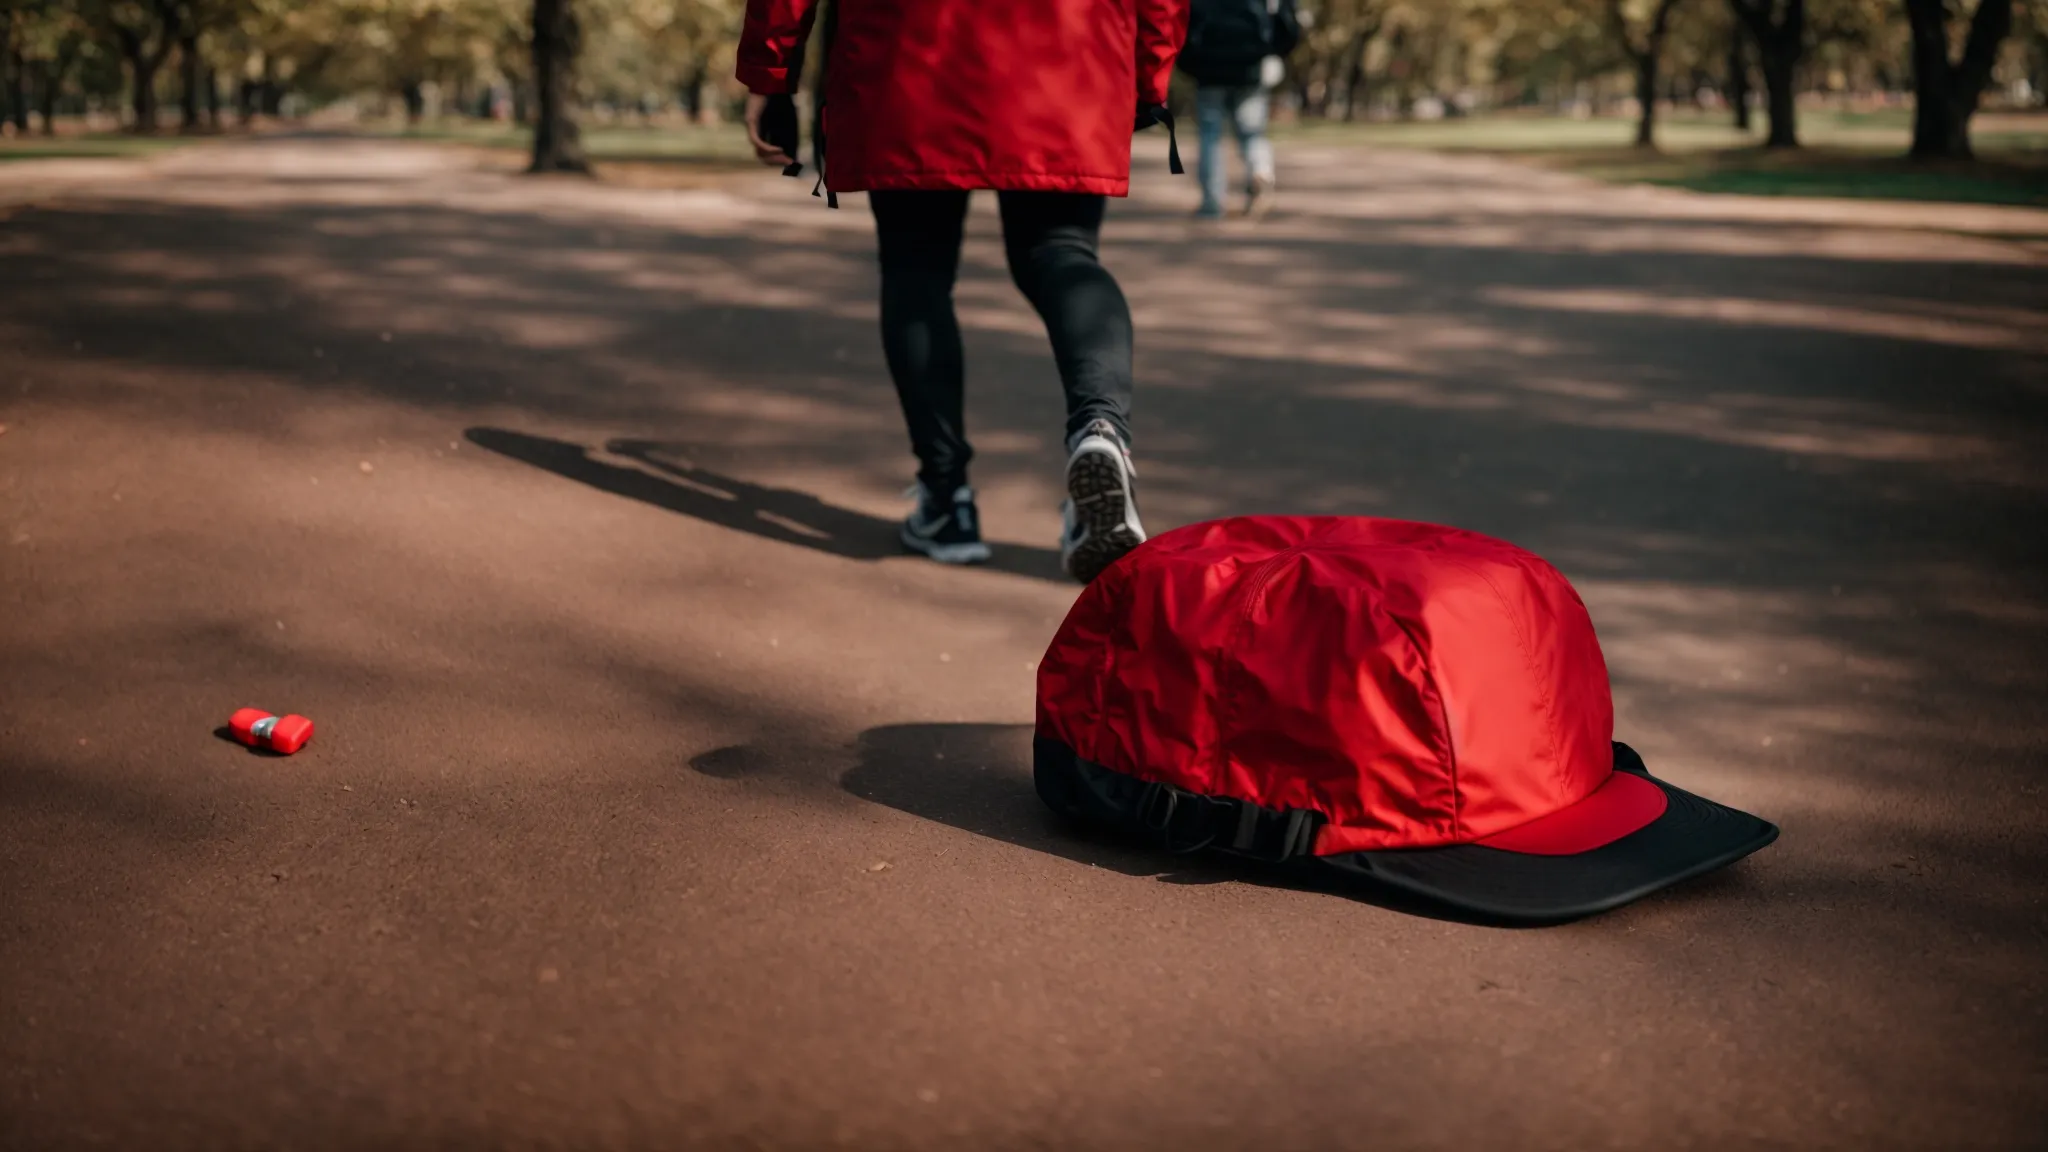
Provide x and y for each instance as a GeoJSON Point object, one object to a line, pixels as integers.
{"type": "Point", "coordinates": [1050, 239]}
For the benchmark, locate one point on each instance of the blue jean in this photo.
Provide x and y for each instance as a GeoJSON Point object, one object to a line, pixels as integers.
{"type": "Point", "coordinates": [1246, 109]}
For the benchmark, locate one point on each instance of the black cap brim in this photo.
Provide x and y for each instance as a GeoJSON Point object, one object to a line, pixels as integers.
{"type": "Point", "coordinates": [1693, 836]}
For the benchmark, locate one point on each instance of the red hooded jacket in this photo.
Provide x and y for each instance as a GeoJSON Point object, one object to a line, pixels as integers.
{"type": "Point", "coordinates": [1017, 95]}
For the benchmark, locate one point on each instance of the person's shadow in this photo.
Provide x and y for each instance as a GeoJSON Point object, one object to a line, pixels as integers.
{"type": "Point", "coordinates": [665, 481]}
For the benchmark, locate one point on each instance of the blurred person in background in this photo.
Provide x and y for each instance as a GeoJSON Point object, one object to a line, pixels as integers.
{"type": "Point", "coordinates": [1235, 53]}
{"type": "Point", "coordinates": [927, 101]}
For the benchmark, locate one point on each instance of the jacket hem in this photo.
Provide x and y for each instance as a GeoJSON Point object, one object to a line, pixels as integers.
{"type": "Point", "coordinates": [981, 181]}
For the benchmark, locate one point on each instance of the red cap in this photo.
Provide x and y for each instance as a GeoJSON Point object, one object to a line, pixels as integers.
{"type": "Point", "coordinates": [1418, 689]}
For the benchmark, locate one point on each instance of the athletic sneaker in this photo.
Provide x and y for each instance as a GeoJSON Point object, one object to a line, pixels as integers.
{"type": "Point", "coordinates": [948, 531]}
{"type": "Point", "coordinates": [1099, 521]}
{"type": "Point", "coordinates": [1260, 201]}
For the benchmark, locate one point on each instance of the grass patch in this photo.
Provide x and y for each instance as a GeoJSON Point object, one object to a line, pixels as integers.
{"type": "Point", "coordinates": [1831, 173]}
{"type": "Point", "coordinates": [711, 145]}
{"type": "Point", "coordinates": [653, 156]}
{"type": "Point", "coordinates": [97, 146]}
{"type": "Point", "coordinates": [1509, 134]}
{"type": "Point", "coordinates": [1857, 155]}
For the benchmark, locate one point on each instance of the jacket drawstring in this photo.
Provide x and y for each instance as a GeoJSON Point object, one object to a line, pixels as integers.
{"type": "Point", "coordinates": [1173, 163]}
{"type": "Point", "coordinates": [1151, 114]}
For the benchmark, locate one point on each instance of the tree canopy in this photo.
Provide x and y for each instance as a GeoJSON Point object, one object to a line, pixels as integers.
{"type": "Point", "coordinates": [1358, 58]}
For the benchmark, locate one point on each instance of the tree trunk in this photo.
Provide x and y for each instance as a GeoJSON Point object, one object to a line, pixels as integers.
{"type": "Point", "coordinates": [1945, 94]}
{"type": "Point", "coordinates": [1646, 97]}
{"type": "Point", "coordinates": [188, 59]}
{"type": "Point", "coordinates": [1354, 71]}
{"type": "Point", "coordinates": [1941, 131]}
{"type": "Point", "coordinates": [269, 93]}
{"type": "Point", "coordinates": [10, 69]}
{"type": "Point", "coordinates": [1781, 100]}
{"type": "Point", "coordinates": [54, 75]}
{"type": "Point", "coordinates": [693, 92]}
{"type": "Point", "coordinates": [17, 90]}
{"type": "Point", "coordinates": [415, 101]}
{"type": "Point", "coordinates": [53, 84]}
{"type": "Point", "coordinates": [245, 103]}
{"type": "Point", "coordinates": [557, 144]}
{"type": "Point", "coordinates": [213, 99]}
{"type": "Point", "coordinates": [142, 78]}
{"type": "Point", "coordinates": [1779, 44]}
{"type": "Point", "coordinates": [1646, 56]}
{"type": "Point", "coordinates": [144, 59]}
{"type": "Point", "coordinates": [1738, 85]}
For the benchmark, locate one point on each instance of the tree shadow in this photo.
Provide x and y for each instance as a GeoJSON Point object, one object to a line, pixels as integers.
{"type": "Point", "coordinates": [779, 514]}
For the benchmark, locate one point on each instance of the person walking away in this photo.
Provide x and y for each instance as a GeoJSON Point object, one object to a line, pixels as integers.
{"type": "Point", "coordinates": [927, 101]}
{"type": "Point", "coordinates": [1234, 53]}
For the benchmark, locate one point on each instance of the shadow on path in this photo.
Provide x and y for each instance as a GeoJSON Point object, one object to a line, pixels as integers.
{"type": "Point", "coordinates": [977, 778]}
{"type": "Point", "coordinates": [778, 514]}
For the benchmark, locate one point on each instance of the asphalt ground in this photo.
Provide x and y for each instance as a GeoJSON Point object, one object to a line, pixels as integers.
{"type": "Point", "coordinates": [657, 803]}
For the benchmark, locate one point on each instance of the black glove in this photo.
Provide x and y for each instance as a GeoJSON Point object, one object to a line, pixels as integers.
{"type": "Point", "coordinates": [778, 127]}
{"type": "Point", "coordinates": [1150, 114]}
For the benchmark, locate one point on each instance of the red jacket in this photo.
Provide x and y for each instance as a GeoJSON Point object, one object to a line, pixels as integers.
{"type": "Point", "coordinates": [1021, 95]}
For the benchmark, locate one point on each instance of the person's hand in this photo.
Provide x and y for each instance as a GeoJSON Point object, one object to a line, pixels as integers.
{"type": "Point", "coordinates": [765, 152]}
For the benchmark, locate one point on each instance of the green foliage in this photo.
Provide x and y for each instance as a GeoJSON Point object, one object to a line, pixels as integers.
{"type": "Point", "coordinates": [1358, 58]}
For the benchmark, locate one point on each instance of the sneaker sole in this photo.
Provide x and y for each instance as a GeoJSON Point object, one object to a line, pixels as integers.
{"type": "Point", "coordinates": [944, 553]}
{"type": "Point", "coordinates": [1096, 484]}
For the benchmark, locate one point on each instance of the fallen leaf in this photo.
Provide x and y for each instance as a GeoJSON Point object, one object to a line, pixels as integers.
{"type": "Point", "coordinates": [549, 975]}
{"type": "Point", "coordinates": [879, 866]}
{"type": "Point", "coordinates": [367, 467]}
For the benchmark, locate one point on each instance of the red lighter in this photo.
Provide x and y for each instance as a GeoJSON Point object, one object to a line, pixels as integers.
{"type": "Point", "coordinates": [260, 729]}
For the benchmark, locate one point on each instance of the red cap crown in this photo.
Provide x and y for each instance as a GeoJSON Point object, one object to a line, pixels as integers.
{"type": "Point", "coordinates": [1418, 685]}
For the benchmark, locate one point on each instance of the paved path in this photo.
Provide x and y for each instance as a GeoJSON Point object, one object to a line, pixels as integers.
{"type": "Point", "coordinates": [656, 804]}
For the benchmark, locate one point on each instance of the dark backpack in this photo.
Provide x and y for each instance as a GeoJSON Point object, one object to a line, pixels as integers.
{"type": "Point", "coordinates": [1228, 39]}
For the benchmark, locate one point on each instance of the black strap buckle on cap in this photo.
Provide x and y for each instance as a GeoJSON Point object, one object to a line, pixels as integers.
{"type": "Point", "coordinates": [1179, 819]}
{"type": "Point", "coordinates": [1184, 821]}
{"type": "Point", "coordinates": [1267, 834]}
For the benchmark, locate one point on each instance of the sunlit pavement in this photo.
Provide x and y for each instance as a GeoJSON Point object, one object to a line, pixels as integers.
{"type": "Point", "coordinates": [656, 803]}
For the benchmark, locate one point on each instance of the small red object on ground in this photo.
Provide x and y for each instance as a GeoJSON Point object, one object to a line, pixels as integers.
{"type": "Point", "coordinates": [260, 729]}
